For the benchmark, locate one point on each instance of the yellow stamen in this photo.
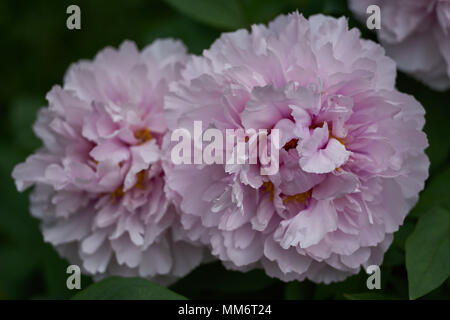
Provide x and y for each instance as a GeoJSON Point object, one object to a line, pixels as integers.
{"type": "Point", "coordinates": [332, 136]}
{"type": "Point", "coordinates": [268, 187]}
{"type": "Point", "coordinates": [143, 135]}
{"type": "Point", "coordinates": [291, 144]}
{"type": "Point", "coordinates": [140, 182]}
{"type": "Point", "coordinates": [297, 198]}
{"type": "Point", "coordinates": [118, 193]}
{"type": "Point", "coordinates": [330, 131]}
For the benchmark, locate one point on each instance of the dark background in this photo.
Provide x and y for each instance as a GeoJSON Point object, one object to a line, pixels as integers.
{"type": "Point", "coordinates": [35, 50]}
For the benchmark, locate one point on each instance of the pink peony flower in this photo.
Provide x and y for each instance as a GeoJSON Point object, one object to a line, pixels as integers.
{"type": "Point", "coordinates": [351, 149]}
{"type": "Point", "coordinates": [416, 34]}
{"type": "Point", "coordinates": [99, 181]}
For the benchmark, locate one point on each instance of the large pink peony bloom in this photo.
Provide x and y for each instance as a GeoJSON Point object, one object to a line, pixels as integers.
{"type": "Point", "coordinates": [352, 156]}
{"type": "Point", "coordinates": [99, 182]}
{"type": "Point", "coordinates": [416, 34]}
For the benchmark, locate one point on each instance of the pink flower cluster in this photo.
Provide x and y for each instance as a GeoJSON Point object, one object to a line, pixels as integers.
{"type": "Point", "coordinates": [351, 156]}
{"type": "Point", "coordinates": [99, 181]}
{"type": "Point", "coordinates": [416, 34]}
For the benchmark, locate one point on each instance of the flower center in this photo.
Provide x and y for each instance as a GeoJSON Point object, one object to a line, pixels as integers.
{"type": "Point", "coordinates": [297, 198]}
{"type": "Point", "coordinates": [143, 135]}
{"type": "Point", "coordinates": [334, 137]}
{"type": "Point", "coordinates": [140, 184]}
{"type": "Point", "coordinates": [330, 131]}
{"type": "Point", "coordinates": [268, 187]}
{"type": "Point", "coordinates": [291, 144]}
{"type": "Point", "coordinates": [118, 193]}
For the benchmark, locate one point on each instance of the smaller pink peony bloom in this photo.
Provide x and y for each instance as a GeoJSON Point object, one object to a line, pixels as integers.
{"type": "Point", "coordinates": [416, 34]}
{"type": "Point", "coordinates": [351, 149]}
{"type": "Point", "coordinates": [99, 181]}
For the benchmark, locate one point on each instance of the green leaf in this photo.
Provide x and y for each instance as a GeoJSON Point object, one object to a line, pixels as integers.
{"type": "Point", "coordinates": [16, 268]}
{"type": "Point", "coordinates": [308, 7]}
{"type": "Point", "coordinates": [436, 118]}
{"type": "Point", "coordinates": [213, 277]}
{"type": "Point", "coordinates": [296, 290]}
{"type": "Point", "coordinates": [428, 252]}
{"type": "Point", "coordinates": [223, 14]}
{"type": "Point", "coordinates": [336, 7]}
{"type": "Point", "coordinates": [194, 35]}
{"type": "Point", "coordinates": [118, 288]}
{"type": "Point", "coordinates": [23, 113]}
{"type": "Point", "coordinates": [402, 234]}
{"type": "Point", "coordinates": [53, 270]}
{"type": "Point", "coordinates": [16, 223]}
{"type": "Point", "coordinates": [436, 129]}
{"type": "Point", "coordinates": [437, 193]}
{"type": "Point", "coordinates": [368, 296]}
{"type": "Point", "coordinates": [263, 11]}
{"type": "Point", "coordinates": [393, 257]}
{"type": "Point", "coordinates": [356, 283]}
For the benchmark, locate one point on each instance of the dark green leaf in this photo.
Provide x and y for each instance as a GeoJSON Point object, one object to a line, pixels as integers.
{"type": "Point", "coordinates": [214, 277]}
{"type": "Point", "coordinates": [334, 7]}
{"type": "Point", "coordinates": [54, 272]}
{"type": "Point", "coordinates": [16, 268]}
{"type": "Point", "coordinates": [23, 115]}
{"type": "Point", "coordinates": [402, 234]}
{"type": "Point", "coordinates": [194, 35]}
{"type": "Point", "coordinates": [368, 296]}
{"type": "Point", "coordinates": [118, 288]}
{"type": "Point", "coordinates": [16, 223]}
{"type": "Point", "coordinates": [393, 257]}
{"type": "Point", "coordinates": [295, 290]}
{"type": "Point", "coordinates": [437, 131]}
{"type": "Point", "coordinates": [436, 193]}
{"type": "Point", "coordinates": [356, 283]}
{"type": "Point", "coordinates": [224, 14]}
{"type": "Point", "coordinates": [428, 252]}
{"type": "Point", "coordinates": [263, 11]}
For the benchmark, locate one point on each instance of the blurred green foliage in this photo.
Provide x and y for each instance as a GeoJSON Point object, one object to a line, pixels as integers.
{"type": "Point", "coordinates": [119, 288]}
{"type": "Point", "coordinates": [37, 48]}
